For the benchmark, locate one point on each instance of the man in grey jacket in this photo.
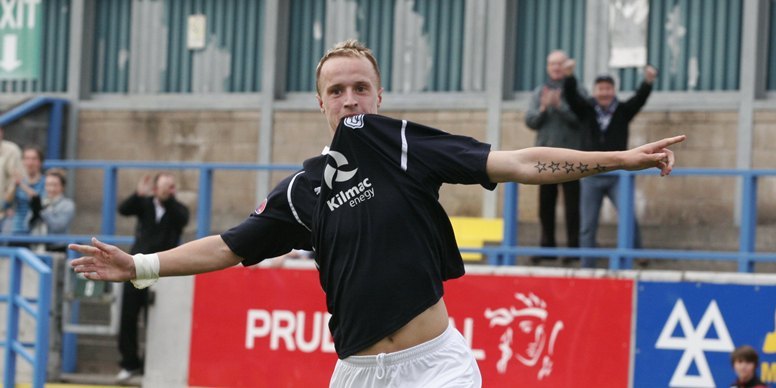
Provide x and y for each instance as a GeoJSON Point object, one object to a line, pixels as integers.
{"type": "Point", "coordinates": [556, 126]}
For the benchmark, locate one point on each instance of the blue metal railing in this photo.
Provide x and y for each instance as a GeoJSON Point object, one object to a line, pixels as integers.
{"type": "Point", "coordinates": [38, 308]}
{"type": "Point", "coordinates": [69, 340]}
{"type": "Point", "coordinates": [56, 117]}
{"type": "Point", "coordinates": [621, 257]}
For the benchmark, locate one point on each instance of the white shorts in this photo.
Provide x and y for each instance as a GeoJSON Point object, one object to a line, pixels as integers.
{"type": "Point", "coordinates": [445, 361]}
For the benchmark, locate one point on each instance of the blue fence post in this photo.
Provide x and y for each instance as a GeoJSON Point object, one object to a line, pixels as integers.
{"type": "Point", "coordinates": [109, 200]}
{"type": "Point", "coordinates": [204, 201]}
{"type": "Point", "coordinates": [70, 340]}
{"type": "Point", "coordinates": [748, 229]}
{"type": "Point", "coordinates": [41, 329]}
{"type": "Point", "coordinates": [509, 239]}
{"type": "Point", "coordinates": [625, 224]}
{"type": "Point", "coordinates": [54, 138]}
{"type": "Point", "coordinates": [12, 322]}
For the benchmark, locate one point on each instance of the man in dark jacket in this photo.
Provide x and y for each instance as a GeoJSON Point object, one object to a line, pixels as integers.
{"type": "Point", "coordinates": [160, 222]}
{"type": "Point", "coordinates": [605, 122]}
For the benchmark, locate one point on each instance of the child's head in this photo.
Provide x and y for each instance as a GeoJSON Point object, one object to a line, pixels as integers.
{"type": "Point", "coordinates": [744, 360]}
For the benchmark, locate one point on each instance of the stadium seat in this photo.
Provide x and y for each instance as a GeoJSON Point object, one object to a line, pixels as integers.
{"type": "Point", "coordinates": [475, 232]}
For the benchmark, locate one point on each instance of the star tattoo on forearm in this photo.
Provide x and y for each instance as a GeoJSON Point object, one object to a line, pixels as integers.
{"type": "Point", "coordinates": [570, 167]}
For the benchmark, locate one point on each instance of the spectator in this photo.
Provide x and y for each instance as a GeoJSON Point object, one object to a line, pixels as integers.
{"type": "Point", "coordinates": [606, 127]}
{"type": "Point", "coordinates": [556, 126]}
{"type": "Point", "coordinates": [745, 359]}
{"type": "Point", "coordinates": [10, 168]}
{"type": "Point", "coordinates": [54, 213]}
{"type": "Point", "coordinates": [26, 189]}
{"type": "Point", "coordinates": [160, 222]}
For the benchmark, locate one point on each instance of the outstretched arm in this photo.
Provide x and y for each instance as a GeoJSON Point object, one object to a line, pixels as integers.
{"type": "Point", "coordinates": [543, 165]}
{"type": "Point", "coordinates": [102, 261]}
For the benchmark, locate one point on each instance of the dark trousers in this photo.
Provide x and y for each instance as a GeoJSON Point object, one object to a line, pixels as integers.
{"type": "Point", "coordinates": [132, 301]}
{"type": "Point", "coordinates": [548, 196]}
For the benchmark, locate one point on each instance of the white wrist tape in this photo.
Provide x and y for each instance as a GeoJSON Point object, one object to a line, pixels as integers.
{"type": "Point", "coordinates": [146, 270]}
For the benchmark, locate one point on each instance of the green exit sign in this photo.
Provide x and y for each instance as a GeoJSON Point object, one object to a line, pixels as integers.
{"type": "Point", "coordinates": [21, 32]}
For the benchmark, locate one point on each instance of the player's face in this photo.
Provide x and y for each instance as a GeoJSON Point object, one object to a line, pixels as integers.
{"type": "Point", "coordinates": [348, 86]}
{"type": "Point", "coordinates": [604, 93]}
{"type": "Point", "coordinates": [165, 187]}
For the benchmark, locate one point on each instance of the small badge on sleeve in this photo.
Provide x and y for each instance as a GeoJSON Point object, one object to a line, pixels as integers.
{"type": "Point", "coordinates": [261, 207]}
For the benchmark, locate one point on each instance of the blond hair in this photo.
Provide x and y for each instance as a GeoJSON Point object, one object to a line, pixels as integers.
{"type": "Point", "coordinates": [349, 48]}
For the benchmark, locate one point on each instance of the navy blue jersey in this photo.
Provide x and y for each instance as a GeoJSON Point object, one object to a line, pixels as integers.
{"type": "Point", "coordinates": [370, 209]}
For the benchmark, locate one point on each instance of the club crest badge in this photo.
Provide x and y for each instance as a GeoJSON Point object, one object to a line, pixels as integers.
{"type": "Point", "coordinates": [354, 122]}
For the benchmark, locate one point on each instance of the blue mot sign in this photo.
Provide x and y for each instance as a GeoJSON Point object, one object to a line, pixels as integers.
{"type": "Point", "coordinates": [685, 332]}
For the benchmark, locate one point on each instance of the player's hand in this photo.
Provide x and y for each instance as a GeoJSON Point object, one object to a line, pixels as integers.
{"type": "Point", "coordinates": [654, 154]}
{"type": "Point", "coordinates": [650, 74]}
{"type": "Point", "coordinates": [568, 67]}
{"type": "Point", "coordinates": [102, 261]}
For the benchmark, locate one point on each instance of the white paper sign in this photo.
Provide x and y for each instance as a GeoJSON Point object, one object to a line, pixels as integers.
{"type": "Point", "coordinates": [628, 23]}
{"type": "Point", "coordinates": [196, 32]}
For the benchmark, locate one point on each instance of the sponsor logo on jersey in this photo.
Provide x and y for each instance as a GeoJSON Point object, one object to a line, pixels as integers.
{"type": "Point", "coordinates": [354, 122]}
{"type": "Point", "coordinates": [360, 192]}
{"type": "Point", "coordinates": [353, 196]}
{"type": "Point", "coordinates": [333, 174]}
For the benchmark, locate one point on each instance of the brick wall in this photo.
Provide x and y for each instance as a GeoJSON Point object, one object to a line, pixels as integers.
{"type": "Point", "coordinates": [192, 136]}
{"type": "Point", "coordinates": [765, 157]}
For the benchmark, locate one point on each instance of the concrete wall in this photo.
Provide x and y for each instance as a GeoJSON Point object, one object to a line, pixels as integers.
{"type": "Point", "coordinates": [765, 157]}
{"type": "Point", "coordinates": [192, 136]}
